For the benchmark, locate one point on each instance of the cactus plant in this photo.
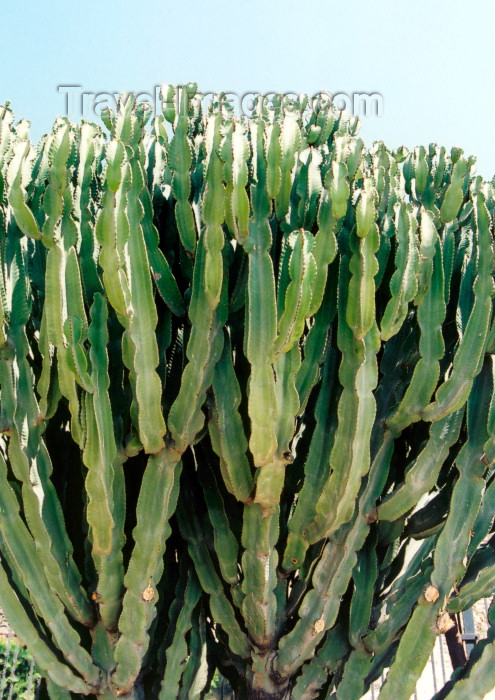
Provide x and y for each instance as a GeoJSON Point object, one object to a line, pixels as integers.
{"type": "Point", "coordinates": [247, 388]}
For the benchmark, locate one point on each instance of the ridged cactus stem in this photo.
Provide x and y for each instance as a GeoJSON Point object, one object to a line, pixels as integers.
{"type": "Point", "coordinates": [156, 504]}
{"type": "Point", "coordinates": [22, 549]}
{"type": "Point", "coordinates": [104, 481]}
{"type": "Point", "coordinates": [180, 162]}
{"type": "Point", "coordinates": [233, 441]}
{"type": "Point", "coordinates": [204, 348]}
{"type": "Point", "coordinates": [32, 467]}
{"type": "Point", "coordinates": [259, 562]}
{"type": "Point", "coordinates": [449, 557]}
{"type": "Point", "coordinates": [221, 608]}
{"type": "Point", "coordinates": [170, 686]}
{"type": "Point", "coordinates": [315, 673]}
{"type": "Point", "coordinates": [30, 634]}
{"type": "Point", "coordinates": [315, 469]}
{"type": "Point", "coordinates": [333, 572]}
{"type": "Point", "coordinates": [350, 456]}
{"type": "Point", "coordinates": [143, 320]}
{"type": "Point", "coordinates": [414, 650]}
{"type": "Point", "coordinates": [89, 148]}
{"type": "Point", "coordinates": [261, 317]}
{"type": "Point", "coordinates": [431, 314]}
{"type": "Point", "coordinates": [469, 357]}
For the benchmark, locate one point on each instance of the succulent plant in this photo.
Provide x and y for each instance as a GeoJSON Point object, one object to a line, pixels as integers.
{"type": "Point", "coordinates": [247, 408]}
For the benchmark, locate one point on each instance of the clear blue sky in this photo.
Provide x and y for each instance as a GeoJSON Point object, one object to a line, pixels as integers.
{"type": "Point", "coordinates": [432, 60]}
